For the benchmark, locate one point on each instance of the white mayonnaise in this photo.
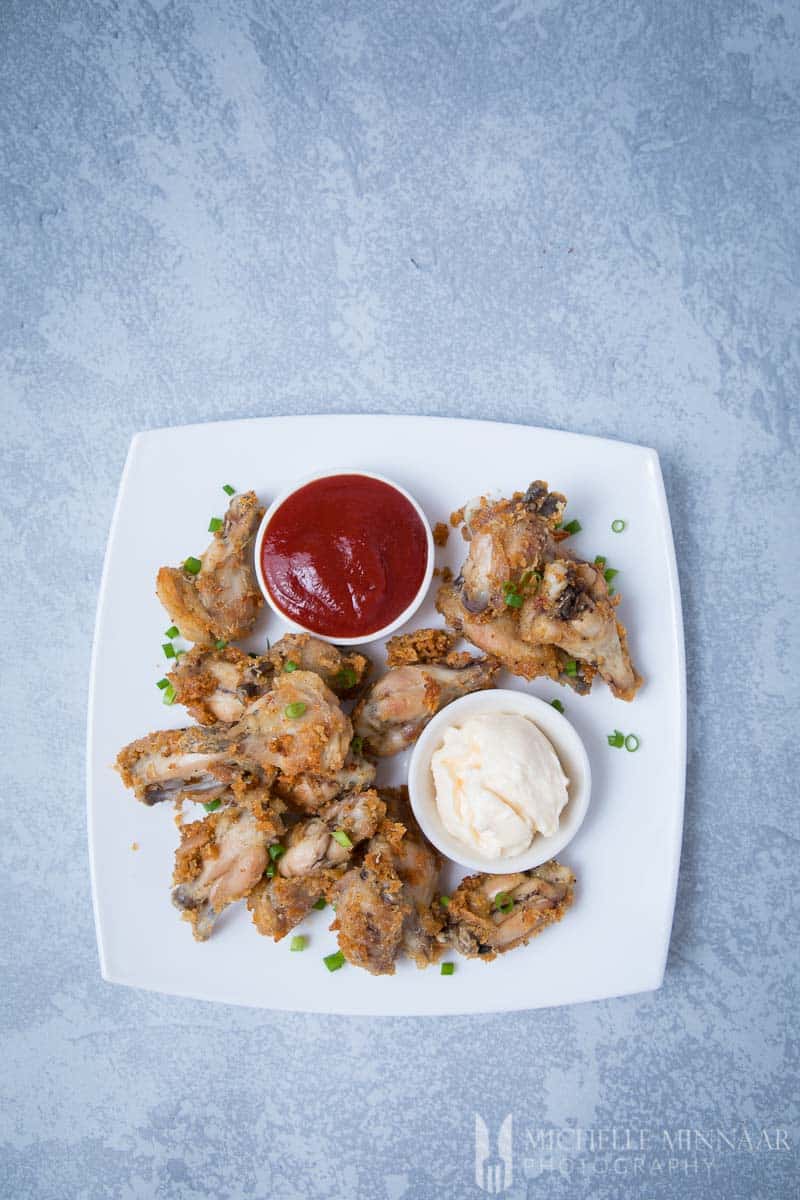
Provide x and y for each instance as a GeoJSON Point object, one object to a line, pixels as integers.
{"type": "Point", "coordinates": [498, 783]}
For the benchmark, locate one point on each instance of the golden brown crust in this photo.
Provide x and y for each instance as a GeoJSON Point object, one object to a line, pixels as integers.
{"type": "Point", "coordinates": [440, 533]}
{"type": "Point", "coordinates": [419, 646]}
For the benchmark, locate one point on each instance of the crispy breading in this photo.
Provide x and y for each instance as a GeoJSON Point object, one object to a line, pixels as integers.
{"type": "Point", "coordinates": [421, 645]}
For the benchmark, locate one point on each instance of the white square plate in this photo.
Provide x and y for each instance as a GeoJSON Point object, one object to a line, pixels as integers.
{"type": "Point", "coordinates": [615, 939]}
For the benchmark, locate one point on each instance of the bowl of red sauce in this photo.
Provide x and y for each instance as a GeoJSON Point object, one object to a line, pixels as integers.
{"type": "Point", "coordinates": [345, 555]}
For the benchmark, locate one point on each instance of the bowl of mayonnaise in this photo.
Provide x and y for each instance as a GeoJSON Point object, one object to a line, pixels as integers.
{"type": "Point", "coordinates": [499, 781]}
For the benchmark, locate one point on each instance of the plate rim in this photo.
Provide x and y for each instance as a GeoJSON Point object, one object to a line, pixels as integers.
{"type": "Point", "coordinates": [677, 637]}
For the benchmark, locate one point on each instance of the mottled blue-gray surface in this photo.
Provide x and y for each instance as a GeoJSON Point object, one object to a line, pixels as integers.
{"type": "Point", "coordinates": [570, 213]}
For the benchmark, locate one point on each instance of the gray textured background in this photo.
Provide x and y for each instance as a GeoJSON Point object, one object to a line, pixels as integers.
{"type": "Point", "coordinates": [576, 214]}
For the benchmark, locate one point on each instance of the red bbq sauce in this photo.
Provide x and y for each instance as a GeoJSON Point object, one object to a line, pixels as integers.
{"type": "Point", "coordinates": [344, 556]}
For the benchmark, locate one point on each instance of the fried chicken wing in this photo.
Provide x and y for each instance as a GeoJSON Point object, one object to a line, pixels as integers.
{"type": "Point", "coordinates": [309, 792]}
{"type": "Point", "coordinates": [418, 866]}
{"type": "Point", "coordinates": [221, 601]}
{"type": "Point", "coordinates": [296, 727]}
{"type": "Point", "coordinates": [313, 845]}
{"type": "Point", "coordinates": [277, 905]}
{"type": "Point", "coordinates": [526, 599]}
{"type": "Point", "coordinates": [217, 685]}
{"type": "Point", "coordinates": [507, 538]}
{"type": "Point", "coordinates": [177, 764]}
{"type": "Point", "coordinates": [220, 860]}
{"type": "Point", "coordinates": [395, 710]}
{"type": "Point", "coordinates": [490, 914]}
{"type": "Point", "coordinates": [370, 905]}
{"type": "Point", "coordinates": [342, 672]}
{"type": "Point", "coordinates": [571, 610]}
{"type": "Point", "coordinates": [313, 862]}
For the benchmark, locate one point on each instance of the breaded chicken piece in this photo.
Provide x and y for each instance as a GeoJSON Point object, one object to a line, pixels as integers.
{"type": "Point", "coordinates": [219, 602]}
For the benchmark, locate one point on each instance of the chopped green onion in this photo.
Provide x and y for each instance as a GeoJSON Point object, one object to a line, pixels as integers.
{"type": "Point", "coordinates": [221, 644]}
{"type": "Point", "coordinates": [295, 710]}
{"type": "Point", "coordinates": [610, 574]}
{"type": "Point", "coordinates": [503, 902]}
{"type": "Point", "coordinates": [573, 527]}
{"type": "Point", "coordinates": [169, 695]}
{"type": "Point", "coordinates": [172, 632]}
{"type": "Point", "coordinates": [557, 705]}
{"type": "Point", "coordinates": [514, 600]}
{"type": "Point", "coordinates": [320, 904]}
{"type": "Point", "coordinates": [212, 805]}
{"type": "Point", "coordinates": [169, 650]}
{"type": "Point", "coordinates": [616, 739]}
{"type": "Point", "coordinates": [444, 901]}
{"type": "Point", "coordinates": [448, 968]}
{"type": "Point", "coordinates": [526, 578]}
{"type": "Point", "coordinates": [357, 744]}
{"type": "Point", "coordinates": [570, 667]}
{"type": "Point", "coordinates": [214, 524]}
{"type": "Point", "coordinates": [228, 490]}
{"type": "Point", "coordinates": [612, 592]}
{"type": "Point", "coordinates": [192, 565]}
{"type": "Point", "coordinates": [632, 743]}
{"type": "Point", "coordinates": [347, 677]}
{"type": "Point", "coordinates": [617, 526]}
{"type": "Point", "coordinates": [334, 961]}
{"type": "Point", "coordinates": [600, 560]}
{"type": "Point", "coordinates": [163, 683]}
{"type": "Point", "coordinates": [270, 872]}
{"type": "Point", "coordinates": [276, 851]}
{"type": "Point", "coordinates": [508, 586]}
{"type": "Point", "coordinates": [341, 837]}
{"type": "Point", "coordinates": [298, 943]}
{"type": "Point", "coordinates": [289, 666]}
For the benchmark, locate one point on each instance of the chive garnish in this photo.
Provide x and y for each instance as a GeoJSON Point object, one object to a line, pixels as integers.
{"type": "Point", "coordinates": [334, 961]}
{"type": "Point", "coordinates": [600, 560]}
{"type": "Point", "coordinates": [616, 739]}
{"type": "Point", "coordinates": [169, 650]}
{"type": "Point", "coordinates": [341, 837]}
{"type": "Point", "coordinates": [574, 526]}
{"type": "Point", "coordinates": [212, 805]}
{"type": "Point", "coordinates": [632, 743]}
{"type": "Point", "coordinates": [448, 968]}
{"type": "Point", "coordinates": [513, 600]}
{"type": "Point", "coordinates": [270, 871]}
{"type": "Point", "coordinates": [444, 901]}
{"type": "Point", "coordinates": [214, 524]}
{"type": "Point", "coordinates": [346, 677]}
{"type": "Point", "coordinates": [298, 943]}
{"type": "Point", "coordinates": [357, 744]}
{"type": "Point", "coordinates": [173, 632]}
{"type": "Point", "coordinates": [570, 667]}
{"type": "Point", "coordinates": [610, 574]}
{"type": "Point", "coordinates": [289, 666]}
{"type": "Point", "coordinates": [162, 683]}
{"type": "Point", "coordinates": [617, 526]}
{"type": "Point", "coordinates": [228, 490]}
{"type": "Point", "coordinates": [169, 695]}
{"type": "Point", "coordinates": [557, 705]}
{"type": "Point", "coordinates": [192, 565]}
{"type": "Point", "coordinates": [276, 851]}
{"type": "Point", "coordinates": [503, 902]}
{"type": "Point", "coordinates": [295, 710]}
{"type": "Point", "coordinates": [220, 645]}
{"type": "Point", "coordinates": [320, 904]}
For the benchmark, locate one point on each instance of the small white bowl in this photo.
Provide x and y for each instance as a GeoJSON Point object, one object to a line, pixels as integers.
{"type": "Point", "coordinates": [404, 616]}
{"type": "Point", "coordinates": [564, 740]}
